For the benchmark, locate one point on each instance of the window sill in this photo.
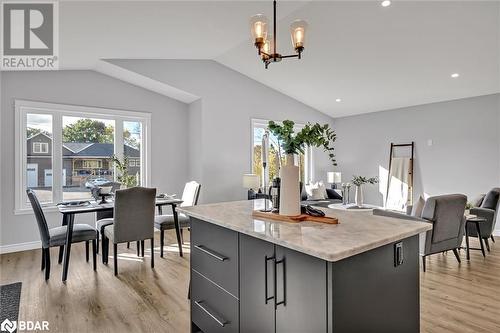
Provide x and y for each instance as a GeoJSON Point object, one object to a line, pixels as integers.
{"type": "Point", "coordinates": [29, 211]}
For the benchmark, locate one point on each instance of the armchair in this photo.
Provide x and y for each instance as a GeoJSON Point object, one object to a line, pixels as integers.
{"type": "Point", "coordinates": [446, 213]}
{"type": "Point", "coordinates": [488, 209]}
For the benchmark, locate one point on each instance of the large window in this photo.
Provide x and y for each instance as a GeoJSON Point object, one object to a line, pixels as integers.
{"type": "Point", "coordinates": [276, 156]}
{"type": "Point", "coordinates": [64, 150]}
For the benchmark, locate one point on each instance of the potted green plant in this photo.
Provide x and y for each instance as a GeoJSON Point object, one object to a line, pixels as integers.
{"type": "Point", "coordinates": [359, 181]}
{"type": "Point", "coordinates": [122, 171]}
{"type": "Point", "coordinates": [311, 135]}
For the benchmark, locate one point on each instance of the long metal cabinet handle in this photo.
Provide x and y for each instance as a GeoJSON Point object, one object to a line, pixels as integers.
{"type": "Point", "coordinates": [276, 263]}
{"type": "Point", "coordinates": [211, 253]}
{"type": "Point", "coordinates": [267, 297]}
{"type": "Point", "coordinates": [221, 322]}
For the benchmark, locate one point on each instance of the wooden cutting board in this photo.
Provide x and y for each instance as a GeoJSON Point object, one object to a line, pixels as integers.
{"type": "Point", "coordinates": [295, 219]}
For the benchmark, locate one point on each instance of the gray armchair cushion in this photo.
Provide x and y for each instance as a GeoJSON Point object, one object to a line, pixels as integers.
{"type": "Point", "coordinates": [486, 227]}
{"type": "Point", "coordinates": [490, 201]}
{"type": "Point", "coordinates": [447, 213]}
{"type": "Point", "coordinates": [165, 222]}
{"type": "Point", "coordinates": [81, 232]}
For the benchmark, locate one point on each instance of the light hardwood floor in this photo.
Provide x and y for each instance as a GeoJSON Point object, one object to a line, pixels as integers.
{"type": "Point", "coordinates": [454, 298]}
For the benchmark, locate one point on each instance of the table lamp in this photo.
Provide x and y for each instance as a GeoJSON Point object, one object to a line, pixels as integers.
{"type": "Point", "coordinates": [252, 183]}
{"type": "Point", "coordinates": [334, 178]}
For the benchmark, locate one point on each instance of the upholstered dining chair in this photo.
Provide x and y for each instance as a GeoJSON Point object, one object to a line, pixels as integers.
{"type": "Point", "coordinates": [446, 213]}
{"type": "Point", "coordinates": [190, 197]}
{"type": "Point", "coordinates": [56, 237]}
{"type": "Point", "coordinates": [133, 220]}
{"type": "Point", "coordinates": [488, 209]}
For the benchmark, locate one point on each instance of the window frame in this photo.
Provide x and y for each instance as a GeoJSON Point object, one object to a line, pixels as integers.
{"type": "Point", "coordinates": [308, 152]}
{"type": "Point", "coordinates": [57, 111]}
{"type": "Point", "coordinates": [41, 144]}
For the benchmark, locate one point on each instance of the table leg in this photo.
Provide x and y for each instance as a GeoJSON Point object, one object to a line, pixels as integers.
{"type": "Point", "coordinates": [479, 238]}
{"type": "Point", "coordinates": [67, 247]}
{"type": "Point", "coordinates": [467, 242]}
{"type": "Point", "coordinates": [61, 248]}
{"type": "Point", "coordinates": [177, 229]}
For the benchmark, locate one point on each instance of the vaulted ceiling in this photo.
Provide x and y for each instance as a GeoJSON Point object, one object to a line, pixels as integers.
{"type": "Point", "coordinates": [372, 58]}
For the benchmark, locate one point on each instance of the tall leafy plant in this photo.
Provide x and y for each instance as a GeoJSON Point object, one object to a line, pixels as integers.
{"type": "Point", "coordinates": [311, 135]}
{"type": "Point", "coordinates": [122, 170]}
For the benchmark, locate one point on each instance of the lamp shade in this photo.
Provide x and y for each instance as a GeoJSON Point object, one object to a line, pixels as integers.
{"type": "Point", "coordinates": [298, 32]}
{"type": "Point", "coordinates": [251, 181]}
{"type": "Point", "coordinates": [334, 177]}
{"type": "Point", "coordinates": [258, 27]}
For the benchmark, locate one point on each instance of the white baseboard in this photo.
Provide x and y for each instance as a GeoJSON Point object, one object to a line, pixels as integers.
{"type": "Point", "coordinates": [20, 247]}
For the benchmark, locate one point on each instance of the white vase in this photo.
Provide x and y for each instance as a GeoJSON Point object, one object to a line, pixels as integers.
{"type": "Point", "coordinates": [289, 188]}
{"type": "Point", "coordinates": [359, 196]}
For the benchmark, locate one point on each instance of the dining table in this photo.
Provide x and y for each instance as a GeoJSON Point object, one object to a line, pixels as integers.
{"type": "Point", "coordinates": [70, 211]}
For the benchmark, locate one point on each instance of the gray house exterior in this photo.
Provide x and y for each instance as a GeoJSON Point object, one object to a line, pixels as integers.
{"type": "Point", "coordinates": [81, 161]}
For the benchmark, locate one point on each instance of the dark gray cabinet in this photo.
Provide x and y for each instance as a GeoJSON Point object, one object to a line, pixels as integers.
{"type": "Point", "coordinates": [281, 290]}
{"type": "Point", "coordinates": [240, 283]}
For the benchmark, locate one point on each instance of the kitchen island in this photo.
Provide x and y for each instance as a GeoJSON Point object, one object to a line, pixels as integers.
{"type": "Point", "coordinates": [254, 275]}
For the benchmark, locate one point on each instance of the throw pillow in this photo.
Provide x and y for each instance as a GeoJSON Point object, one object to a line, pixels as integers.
{"type": "Point", "coordinates": [418, 207]}
{"type": "Point", "coordinates": [333, 194]}
{"type": "Point", "coordinates": [478, 200]}
{"type": "Point", "coordinates": [315, 192]}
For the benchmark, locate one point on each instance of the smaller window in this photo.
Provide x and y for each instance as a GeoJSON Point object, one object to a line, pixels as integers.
{"type": "Point", "coordinates": [40, 147]}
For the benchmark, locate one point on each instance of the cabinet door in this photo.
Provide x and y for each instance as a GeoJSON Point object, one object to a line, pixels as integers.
{"type": "Point", "coordinates": [256, 315]}
{"type": "Point", "coordinates": [301, 286]}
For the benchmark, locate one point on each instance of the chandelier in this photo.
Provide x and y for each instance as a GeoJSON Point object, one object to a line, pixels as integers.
{"type": "Point", "coordinates": [266, 44]}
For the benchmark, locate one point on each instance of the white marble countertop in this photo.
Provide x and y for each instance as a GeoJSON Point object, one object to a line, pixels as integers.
{"type": "Point", "coordinates": [356, 233]}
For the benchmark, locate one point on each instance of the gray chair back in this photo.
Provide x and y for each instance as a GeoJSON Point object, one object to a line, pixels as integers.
{"type": "Point", "coordinates": [134, 214]}
{"type": "Point", "coordinates": [190, 194]}
{"type": "Point", "coordinates": [492, 201]}
{"type": "Point", "coordinates": [40, 218]}
{"type": "Point", "coordinates": [447, 214]}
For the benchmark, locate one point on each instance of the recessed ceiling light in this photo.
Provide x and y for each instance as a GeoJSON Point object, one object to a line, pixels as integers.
{"type": "Point", "coordinates": [385, 3]}
{"type": "Point", "coordinates": [338, 100]}
{"type": "Point", "coordinates": [455, 75]}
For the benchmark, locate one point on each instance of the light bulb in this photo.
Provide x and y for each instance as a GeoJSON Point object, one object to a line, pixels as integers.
{"type": "Point", "coordinates": [258, 28]}
{"type": "Point", "coordinates": [298, 33]}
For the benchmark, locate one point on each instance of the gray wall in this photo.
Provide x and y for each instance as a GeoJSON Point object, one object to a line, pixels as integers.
{"type": "Point", "coordinates": [464, 156]}
{"type": "Point", "coordinates": [223, 116]}
{"type": "Point", "coordinates": [169, 137]}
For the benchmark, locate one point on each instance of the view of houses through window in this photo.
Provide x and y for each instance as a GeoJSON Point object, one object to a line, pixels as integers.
{"type": "Point", "coordinates": [276, 156]}
{"type": "Point", "coordinates": [84, 151]}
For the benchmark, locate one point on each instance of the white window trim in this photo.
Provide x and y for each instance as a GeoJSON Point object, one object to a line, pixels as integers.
{"type": "Point", "coordinates": [23, 107]}
{"type": "Point", "coordinates": [43, 150]}
{"type": "Point", "coordinates": [308, 158]}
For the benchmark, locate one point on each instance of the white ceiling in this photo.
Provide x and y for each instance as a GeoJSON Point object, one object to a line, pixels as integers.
{"type": "Point", "coordinates": [371, 57]}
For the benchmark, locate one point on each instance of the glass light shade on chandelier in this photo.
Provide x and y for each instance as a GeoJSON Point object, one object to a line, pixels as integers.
{"type": "Point", "coordinates": [298, 33]}
{"type": "Point", "coordinates": [258, 29]}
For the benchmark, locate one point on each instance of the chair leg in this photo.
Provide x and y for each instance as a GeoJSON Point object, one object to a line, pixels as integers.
{"type": "Point", "coordinates": [95, 246]}
{"type": "Point", "coordinates": [162, 241]}
{"type": "Point", "coordinates": [115, 258]}
{"type": "Point", "coordinates": [97, 242]}
{"type": "Point", "coordinates": [138, 249]}
{"type": "Point", "coordinates": [61, 252]}
{"type": "Point", "coordinates": [105, 249]}
{"type": "Point", "coordinates": [87, 251]}
{"type": "Point", "coordinates": [152, 252]}
{"type": "Point", "coordinates": [128, 245]}
{"type": "Point", "coordinates": [47, 264]}
{"type": "Point", "coordinates": [492, 239]}
{"type": "Point", "coordinates": [182, 237]}
{"type": "Point", "coordinates": [455, 252]}
{"type": "Point", "coordinates": [142, 248]}
{"type": "Point", "coordinates": [43, 259]}
{"type": "Point", "coordinates": [423, 263]}
{"type": "Point", "coordinates": [487, 244]}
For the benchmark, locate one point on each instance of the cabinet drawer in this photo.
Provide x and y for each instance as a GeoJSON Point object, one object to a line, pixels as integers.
{"type": "Point", "coordinates": [214, 254]}
{"type": "Point", "coordinates": [212, 309]}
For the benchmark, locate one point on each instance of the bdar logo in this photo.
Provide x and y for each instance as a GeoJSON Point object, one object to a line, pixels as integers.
{"type": "Point", "coordinates": [8, 326]}
{"type": "Point", "coordinates": [29, 35]}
